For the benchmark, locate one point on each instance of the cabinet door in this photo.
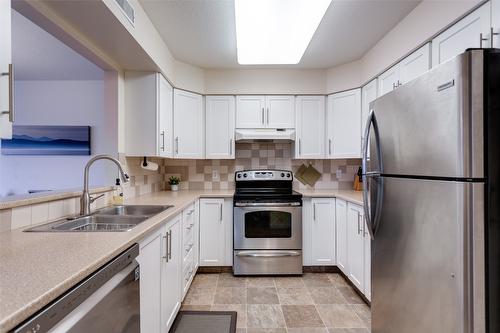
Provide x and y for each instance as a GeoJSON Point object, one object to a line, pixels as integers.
{"type": "Point", "coordinates": [6, 93]}
{"type": "Point", "coordinates": [280, 112]}
{"type": "Point", "coordinates": [465, 34]}
{"type": "Point", "coordinates": [310, 125]}
{"type": "Point", "coordinates": [343, 123]}
{"type": "Point", "coordinates": [189, 129]}
{"type": "Point", "coordinates": [250, 111]}
{"type": "Point", "coordinates": [165, 117]}
{"type": "Point", "coordinates": [150, 261]}
{"type": "Point", "coordinates": [367, 261]}
{"type": "Point", "coordinates": [355, 245]}
{"type": "Point", "coordinates": [341, 235]}
{"type": "Point", "coordinates": [171, 273]}
{"type": "Point", "coordinates": [388, 81]}
{"type": "Point", "coordinates": [415, 64]}
{"type": "Point", "coordinates": [368, 95]}
{"type": "Point", "coordinates": [495, 22]}
{"type": "Point", "coordinates": [323, 231]}
{"type": "Point", "coordinates": [220, 113]}
{"type": "Point", "coordinates": [212, 232]}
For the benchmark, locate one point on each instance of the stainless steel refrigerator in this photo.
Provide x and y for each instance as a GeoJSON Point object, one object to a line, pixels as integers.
{"type": "Point", "coordinates": [432, 182]}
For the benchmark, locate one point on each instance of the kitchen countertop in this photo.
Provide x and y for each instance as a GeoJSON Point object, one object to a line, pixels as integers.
{"type": "Point", "coordinates": [36, 268]}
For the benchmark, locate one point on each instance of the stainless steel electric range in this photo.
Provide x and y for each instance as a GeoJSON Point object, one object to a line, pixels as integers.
{"type": "Point", "coordinates": [267, 224]}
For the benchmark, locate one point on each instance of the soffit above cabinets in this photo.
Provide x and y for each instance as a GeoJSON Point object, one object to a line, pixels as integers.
{"type": "Point", "coordinates": [203, 33]}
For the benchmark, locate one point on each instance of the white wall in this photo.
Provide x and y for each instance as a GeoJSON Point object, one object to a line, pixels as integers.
{"type": "Point", "coordinates": [61, 103]}
{"type": "Point", "coordinates": [427, 19]}
{"type": "Point", "coordinates": [265, 81]}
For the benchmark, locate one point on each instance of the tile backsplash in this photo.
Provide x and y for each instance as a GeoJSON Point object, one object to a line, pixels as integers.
{"type": "Point", "coordinates": [198, 174]}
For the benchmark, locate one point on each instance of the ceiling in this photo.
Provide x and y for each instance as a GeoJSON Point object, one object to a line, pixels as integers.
{"type": "Point", "coordinates": [37, 55]}
{"type": "Point", "coordinates": [202, 32]}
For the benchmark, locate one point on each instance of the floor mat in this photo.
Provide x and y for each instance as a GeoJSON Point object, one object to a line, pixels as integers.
{"type": "Point", "coordinates": [205, 322]}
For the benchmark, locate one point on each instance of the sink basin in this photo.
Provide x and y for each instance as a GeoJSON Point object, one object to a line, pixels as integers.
{"type": "Point", "coordinates": [135, 210]}
{"type": "Point", "coordinates": [115, 218]}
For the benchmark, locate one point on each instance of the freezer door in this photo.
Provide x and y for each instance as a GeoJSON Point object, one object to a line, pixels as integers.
{"type": "Point", "coordinates": [433, 125]}
{"type": "Point", "coordinates": [428, 258]}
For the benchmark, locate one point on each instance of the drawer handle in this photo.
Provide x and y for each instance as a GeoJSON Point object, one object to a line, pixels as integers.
{"type": "Point", "coordinates": [274, 254]}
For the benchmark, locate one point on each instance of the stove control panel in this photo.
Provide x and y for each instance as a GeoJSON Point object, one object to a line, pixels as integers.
{"type": "Point", "coordinates": [253, 175]}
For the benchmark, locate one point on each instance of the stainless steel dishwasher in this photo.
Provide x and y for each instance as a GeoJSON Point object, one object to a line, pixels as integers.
{"type": "Point", "coordinates": [107, 301]}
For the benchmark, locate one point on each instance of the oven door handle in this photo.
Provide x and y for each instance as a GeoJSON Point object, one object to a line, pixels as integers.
{"type": "Point", "coordinates": [268, 254]}
{"type": "Point", "coordinates": [267, 204]}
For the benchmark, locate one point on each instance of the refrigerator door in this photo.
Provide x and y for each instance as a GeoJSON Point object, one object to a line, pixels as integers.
{"type": "Point", "coordinates": [433, 125]}
{"type": "Point", "coordinates": [427, 272]}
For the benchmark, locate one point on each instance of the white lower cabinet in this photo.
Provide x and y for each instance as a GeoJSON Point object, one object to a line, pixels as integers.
{"type": "Point", "coordinates": [341, 234]}
{"type": "Point", "coordinates": [323, 231]}
{"type": "Point", "coordinates": [367, 263]}
{"type": "Point", "coordinates": [160, 284]}
{"type": "Point", "coordinates": [216, 232]}
{"type": "Point", "coordinates": [355, 245]}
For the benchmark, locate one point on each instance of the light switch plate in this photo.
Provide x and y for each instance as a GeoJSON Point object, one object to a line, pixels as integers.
{"type": "Point", "coordinates": [215, 175]}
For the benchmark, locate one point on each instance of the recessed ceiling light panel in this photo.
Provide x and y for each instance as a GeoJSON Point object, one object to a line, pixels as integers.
{"type": "Point", "coordinates": [276, 31]}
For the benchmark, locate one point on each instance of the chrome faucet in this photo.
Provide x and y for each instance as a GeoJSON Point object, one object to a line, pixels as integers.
{"type": "Point", "coordinates": [86, 199]}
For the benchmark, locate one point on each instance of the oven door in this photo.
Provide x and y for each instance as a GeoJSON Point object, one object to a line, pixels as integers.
{"type": "Point", "coordinates": [262, 227]}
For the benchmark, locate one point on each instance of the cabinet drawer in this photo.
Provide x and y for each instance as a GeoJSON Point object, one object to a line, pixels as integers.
{"type": "Point", "coordinates": [188, 249]}
{"type": "Point", "coordinates": [188, 266]}
{"type": "Point", "coordinates": [188, 222]}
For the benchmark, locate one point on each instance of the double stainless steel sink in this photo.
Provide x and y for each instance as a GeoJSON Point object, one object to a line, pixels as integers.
{"type": "Point", "coordinates": [114, 218]}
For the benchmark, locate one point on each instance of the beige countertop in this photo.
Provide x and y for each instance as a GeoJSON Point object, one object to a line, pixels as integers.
{"type": "Point", "coordinates": [36, 268]}
{"type": "Point", "coordinates": [348, 195]}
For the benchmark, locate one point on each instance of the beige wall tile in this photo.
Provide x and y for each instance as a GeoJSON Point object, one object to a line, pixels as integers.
{"type": "Point", "coordinates": [5, 219]}
{"type": "Point", "coordinates": [21, 217]}
{"type": "Point", "coordinates": [39, 213]}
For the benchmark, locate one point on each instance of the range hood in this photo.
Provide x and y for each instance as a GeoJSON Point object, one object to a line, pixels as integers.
{"type": "Point", "coordinates": [264, 134]}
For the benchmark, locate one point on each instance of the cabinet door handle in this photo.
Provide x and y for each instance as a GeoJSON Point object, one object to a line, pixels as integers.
{"type": "Point", "coordinates": [162, 140]}
{"type": "Point", "coordinates": [482, 39]}
{"type": "Point", "coordinates": [170, 244]}
{"type": "Point", "coordinates": [166, 247]}
{"type": "Point", "coordinates": [10, 111]}
{"type": "Point", "coordinates": [176, 145]}
{"type": "Point", "coordinates": [231, 147]}
{"type": "Point", "coordinates": [220, 213]}
{"type": "Point", "coordinates": [268, 116]}
{"type": "Point", "coordinates": [492, 34]}
{"type": "Point", "coordinates": [359, 229]}
{"type": "Point", "coordinates": [262, 116]}
{"type": "Point", "coordinates": [300, 147]}
{"type": "Point", "coordinates": [314, 211]}
{"type": "Point", "coordinates": [330, 146]}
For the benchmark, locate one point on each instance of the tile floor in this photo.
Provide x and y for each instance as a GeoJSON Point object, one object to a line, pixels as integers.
{"type": "Point", "coordinates": [313, 303]}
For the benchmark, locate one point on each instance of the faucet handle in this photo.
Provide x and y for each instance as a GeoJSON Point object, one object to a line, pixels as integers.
{"type": "Point", "coordinates": [92, 199]}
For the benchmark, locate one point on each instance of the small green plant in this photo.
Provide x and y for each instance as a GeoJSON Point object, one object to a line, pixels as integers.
{"type": "Point", "coordinates": [174, 180]}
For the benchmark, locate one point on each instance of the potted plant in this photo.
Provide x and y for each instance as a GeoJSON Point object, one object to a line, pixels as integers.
{"type": "Point", "coordinates": [174, 183]}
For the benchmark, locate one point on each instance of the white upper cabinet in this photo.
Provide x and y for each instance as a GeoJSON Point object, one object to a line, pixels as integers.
{"type": "Point", "coordinates": [310, 126]}
{"type": "Point", "coordinates": [415, 64]}
{"type": "Point", "coordinates": [368, 95]}
{"type": "Point", "coordinates": [220, 113]}
{"type": "Point", "coordinates": [406, 70]}
{"type": "Point", "coordinates": [495, 22]}
{"type": "Point", "coordinates": [343, 125]}
{"type": "Point", "coordinates": [149, 115]}
{"type": "Point", "coordinates": [250, 111]}
{"type": "Point", "coordinates": [470, 32]}
{"type": "Point", "coordinates": [280, 112]}
{"type": "Point", "coordinates": [265, 112]}
{"type": "Point", "coordinates": [322, 231]}
{"type": "Point", "coordinates": [355, 248]}
{"type": "Point", "coordinates": [341, 235]}
{"type": "Point", "coordinates": [6, 77]}
{"type": "Point", "coordinates": [189, 125]}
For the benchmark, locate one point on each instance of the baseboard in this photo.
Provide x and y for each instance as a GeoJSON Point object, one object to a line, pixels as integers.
{"type": "Point", "coordinates": [215, 269]}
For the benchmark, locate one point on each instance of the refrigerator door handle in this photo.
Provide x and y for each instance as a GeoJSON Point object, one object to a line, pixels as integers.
{"type": "Point", "coordinates": [372, 225]}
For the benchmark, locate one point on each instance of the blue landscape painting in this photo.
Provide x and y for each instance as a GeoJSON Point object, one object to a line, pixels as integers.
{"type": "Point", "coordinates": [48, 140]}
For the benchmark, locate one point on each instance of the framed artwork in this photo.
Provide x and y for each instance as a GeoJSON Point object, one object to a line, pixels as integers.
{"type": "Point", "coordinates": [47, 140]}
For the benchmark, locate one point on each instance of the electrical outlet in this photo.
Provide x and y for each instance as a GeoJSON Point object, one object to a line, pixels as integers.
{"type": "Point", "coordinates": [338, 173]}
{"type": "Point", "coordinates": [215, 175]}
